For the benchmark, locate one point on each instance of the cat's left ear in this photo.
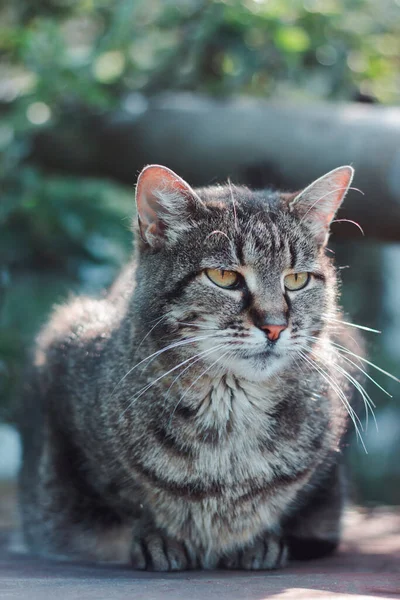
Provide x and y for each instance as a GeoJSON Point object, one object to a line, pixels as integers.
{"type": "Point", "coordinates": [319, 202]}
{"type": "Point", "coordinates": [164, 203]}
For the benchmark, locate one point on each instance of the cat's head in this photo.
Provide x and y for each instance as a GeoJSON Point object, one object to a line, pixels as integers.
{"type": "Point", "coordinates": [235, 278]}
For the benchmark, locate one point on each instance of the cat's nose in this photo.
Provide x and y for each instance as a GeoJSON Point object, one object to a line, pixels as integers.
{"type": "Point", "coordinates": [273, 331]}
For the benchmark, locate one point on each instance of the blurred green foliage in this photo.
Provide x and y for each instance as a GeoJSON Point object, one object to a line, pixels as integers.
{"type": "Point", "coordinates": [58, 51]}
{"type": "Point", "coordinates": [62, 57]}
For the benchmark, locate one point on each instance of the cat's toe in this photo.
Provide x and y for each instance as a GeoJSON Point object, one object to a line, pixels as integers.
{"type": "Point", "coordinates": [276, 555]}
{"type": "Point", "coordinates": [155, 552]}
{"type": "Point", "coordinates": [264, 554]}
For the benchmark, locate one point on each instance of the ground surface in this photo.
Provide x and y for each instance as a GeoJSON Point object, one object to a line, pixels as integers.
{"type": "Point", "coordinates": [367, 566]}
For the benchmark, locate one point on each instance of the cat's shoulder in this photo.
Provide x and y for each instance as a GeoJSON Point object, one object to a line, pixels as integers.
{"type": "Point", "coordinates": [83, 318]}
{"type": "Point", "coordinates": [72, 324]}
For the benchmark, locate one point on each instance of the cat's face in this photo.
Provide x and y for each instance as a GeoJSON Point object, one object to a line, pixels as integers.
{"type": "Point", "coordinates": [238, 279]}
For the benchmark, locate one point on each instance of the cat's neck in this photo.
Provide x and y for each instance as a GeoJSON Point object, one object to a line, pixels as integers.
{"type": "Point", "coordinates": [221, 397]}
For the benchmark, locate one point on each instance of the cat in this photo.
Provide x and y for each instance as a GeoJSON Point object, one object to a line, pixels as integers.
{"type": "Point", "coordinates": [194, 417]}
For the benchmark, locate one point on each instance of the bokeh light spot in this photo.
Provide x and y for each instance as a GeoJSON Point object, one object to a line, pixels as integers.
{"type": "Point", "coordinates": [292, 39]}
{"type": "Point", "coordinates": [326, 55]}
{"type": "Point", "coordinates": [38, 113]}
{"type": "Point", "coordinates": [109, 66]}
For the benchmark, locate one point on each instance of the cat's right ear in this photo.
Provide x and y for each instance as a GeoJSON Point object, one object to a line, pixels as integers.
{"type": "Point", "coordinates": [317, 205]}
{"type": "Point", "coordinates": [163, 199]}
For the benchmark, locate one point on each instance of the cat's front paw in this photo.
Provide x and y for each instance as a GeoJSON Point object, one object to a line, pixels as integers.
{"type": "Point", "coordinates": [267, 552]}
{"type": "Point", "coordinates": [155, 551]}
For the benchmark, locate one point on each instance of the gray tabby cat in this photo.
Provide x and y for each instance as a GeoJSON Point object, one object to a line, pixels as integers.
{"type": "Point", "coordinates": [194, 417]}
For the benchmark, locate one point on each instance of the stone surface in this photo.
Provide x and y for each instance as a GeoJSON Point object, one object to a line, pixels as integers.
{"type": "Point", "coordinates": [367, 566]}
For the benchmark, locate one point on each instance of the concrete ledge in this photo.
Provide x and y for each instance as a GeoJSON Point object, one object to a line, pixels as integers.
{"type": "Point", "coordinates": [367, 566]}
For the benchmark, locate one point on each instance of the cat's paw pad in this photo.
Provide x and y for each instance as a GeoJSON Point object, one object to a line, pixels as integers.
{"type": "Point", "coordinates": [156, 552]}
{"type": "Point", "coordinates": [265, 553]}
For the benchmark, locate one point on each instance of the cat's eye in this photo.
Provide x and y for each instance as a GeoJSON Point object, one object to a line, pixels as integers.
{"type": "Point", "coordinates": [224, 279]}
{"type": "Point", "coordinates": [296, 281]}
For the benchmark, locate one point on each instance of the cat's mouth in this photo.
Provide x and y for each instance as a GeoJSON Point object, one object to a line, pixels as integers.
{"type": "Point", "coordinates": [256, 363]}
{"type": "Point", "coordinates": [262, 353]}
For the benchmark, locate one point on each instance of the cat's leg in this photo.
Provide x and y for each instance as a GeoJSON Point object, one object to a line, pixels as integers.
{"type": "Point", "coordinates": [58, 530]}
{"type": "Point", "coordinates": [62, 536]}
{"type": "Point", "coordinates": [268, 551]}
{"type": "Point", "coordinates": [63, 517]}
{"type": "Point", "coordinates": [314, 530]}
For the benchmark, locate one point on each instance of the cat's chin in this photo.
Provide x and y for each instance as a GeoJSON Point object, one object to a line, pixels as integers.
{"type": "Point", "coordinates": [257, 367]}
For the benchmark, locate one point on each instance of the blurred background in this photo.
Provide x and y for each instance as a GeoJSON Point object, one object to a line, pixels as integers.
{"type": "Point", "coordinates": [266, 92]}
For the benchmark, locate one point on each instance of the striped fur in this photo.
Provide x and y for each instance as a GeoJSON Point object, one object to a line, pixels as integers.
{"type": "Point", "coordinates": [223, 450]}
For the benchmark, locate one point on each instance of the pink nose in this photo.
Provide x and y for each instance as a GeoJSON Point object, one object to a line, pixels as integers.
{"type": "Point", "coordinates": [273, 331]}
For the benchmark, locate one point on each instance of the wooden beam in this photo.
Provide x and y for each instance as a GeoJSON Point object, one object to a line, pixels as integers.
{"type": "Point", "coordinates": [255, 142]}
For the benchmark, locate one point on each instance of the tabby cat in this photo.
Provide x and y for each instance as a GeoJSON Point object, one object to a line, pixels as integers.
{"type": "Point", "coordinates": [194, 416]}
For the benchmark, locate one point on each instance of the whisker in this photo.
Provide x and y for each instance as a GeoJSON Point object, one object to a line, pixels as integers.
{"type": "Point", "coordinates": [188, 367]}
{"type": "Point", "coordinates": [368, 402]}
{"type": "Point", "coordinates": [365, 396]}
{"type": "Point", "coordinates": [342, 349]}
{"type": "Point", "coordinates": [197, 378]}
{"type": "Point", "coordinates": [348, 360]}
{"type": "Point", "coordinates": [350, 221]}
{"type": "Point", "coordinates": [233, 205]}
{"type": "Point", "coordinates": [201, 375]}
{"type": "Point", "coordinates": [152, 329]}
{"type": "Point", "coordinates": [155, 354]}
{"type": "Point", "coordinates": [198, 326]}
{"type": "Point", "coordinates": [322, 197]}
{"type": "Point", "coordinates": [177, 345]}
{"type": "Point", "coordinates": [138, 394]}
{"type": "Point", "coordinates": [368, 362]}
{"type": "Point", "coordinates": [221, 233]}
{"type": "Point", "coordinates": [352, 414]}
{"type": "Point", "coordinates": [363, 327]}
{"type": "Point", "coordinates": [366, 375]}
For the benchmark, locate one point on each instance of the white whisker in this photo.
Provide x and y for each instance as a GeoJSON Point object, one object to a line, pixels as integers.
{"type": "Point", "coordinates": [345, 350]}
{"type": "Point", "coordinates": [366, 375]}
{"type": "Point", "coordinates": [198, 326]}
{"type": "Point", "coordinates": [197, 378]}
{"type": "Point", "coordinates": [365, 396]}
{"type": "Point", "coordinates": [138, 394]}
{"type": "Point", "coordinates": [368, 402]}
{"type": "Point", "coordinates": [233, 205]}
{"type": "Point", "coordinates": [152, 329]}
{"type": "Point", "coordinates": [363, 327]}
{"type": "Point", "coordinates": [189, 367]}
{"type": "Point", "coordinates": [352, 414]}
{"type": "Point", "coordinates": [155, 354]}
{"type": "Point", "coordinates": [368, 362]}
{"type": "Point", "coordinates": [176, 345]}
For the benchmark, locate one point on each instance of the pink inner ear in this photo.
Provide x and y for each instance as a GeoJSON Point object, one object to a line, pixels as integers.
{"type": "Point", "coordinates": [152, 178]}
{"type": "Point", "coordinates": [161, 196]}
{"type": "Point", "coordinates": [318, 203]}
{"type": "Point", "coordinates": [158, 177]}
{"type": "Point", "coordinates": [342, 181]}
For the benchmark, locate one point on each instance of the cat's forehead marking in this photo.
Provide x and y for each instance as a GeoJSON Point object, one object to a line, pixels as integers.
{"type": "Point", "coordinates": [251, 278]}
{"type": "Point", "coordinates": [264, 245]}
{"type": "Point", "coordinates": [257, 233]}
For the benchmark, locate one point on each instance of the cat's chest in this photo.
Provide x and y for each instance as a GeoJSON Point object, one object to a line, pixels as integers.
{"type": "Point", "coordinates": [227, 403]}
{"type": "Point", "coordinates": [254, 434]}
{"type": "Point", "coordinates": [240, 436]}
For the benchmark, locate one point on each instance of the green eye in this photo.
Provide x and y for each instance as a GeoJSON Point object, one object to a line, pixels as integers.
{"type": "Point", "coordinates": [296, 281]}
{"type": "Point", "coordinates": [224, 279]}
